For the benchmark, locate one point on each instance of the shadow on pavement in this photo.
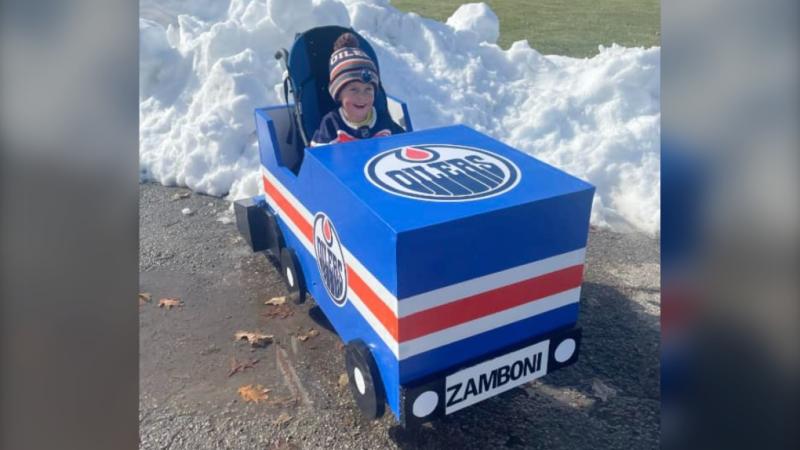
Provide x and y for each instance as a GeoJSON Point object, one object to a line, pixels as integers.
{"type": "Point", "coordinates": [320, 319]}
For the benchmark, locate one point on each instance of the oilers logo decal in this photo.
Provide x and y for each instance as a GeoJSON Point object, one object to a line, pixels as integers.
{"type": "Point", "coordinates": [330, 258]}
{"type": "Point", "coordinates": [438, 172]}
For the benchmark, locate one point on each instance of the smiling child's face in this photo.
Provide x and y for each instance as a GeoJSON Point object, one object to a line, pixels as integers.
{"type": "Point", "coordinates": [357, 99]}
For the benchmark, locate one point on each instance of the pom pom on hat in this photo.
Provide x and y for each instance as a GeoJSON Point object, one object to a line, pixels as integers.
{"type": "Point", "coordinates": [349, 63]}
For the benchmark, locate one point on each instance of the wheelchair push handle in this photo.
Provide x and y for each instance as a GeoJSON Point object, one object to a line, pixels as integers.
{"type": "Point", "coordinates": [282, 55]}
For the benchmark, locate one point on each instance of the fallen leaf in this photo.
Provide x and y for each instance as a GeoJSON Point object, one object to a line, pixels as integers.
{"type": "Point", "coordinates": [311, 333]}
{"type": "Point", "coordinates": [282, 419]}
{"type": "Point", "coordinates": [181, 195]}
{"type": "Point", "coordinates": [145, 297]}
{"type": "Point", "coordinates": [254, 338]}
{"type": "Point", "coordinates": [280, 311]}
{"type": "Point", "coordinates": [343, 380]}
{"type": "Point", "coordinates": [169, 302]}
{"type": "Point", "coordinates": [275, 301]}
{"type": "Point", "coordinates": [253, 393]}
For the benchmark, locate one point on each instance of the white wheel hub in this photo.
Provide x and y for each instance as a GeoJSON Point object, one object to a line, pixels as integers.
{"type": "Point", "coordinates": [289, 277]}
{"type": "Point", "coordinates": [358, 377]}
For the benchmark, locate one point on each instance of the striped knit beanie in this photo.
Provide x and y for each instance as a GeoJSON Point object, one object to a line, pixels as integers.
{"type": "Point", "coordinates": [350, 63]}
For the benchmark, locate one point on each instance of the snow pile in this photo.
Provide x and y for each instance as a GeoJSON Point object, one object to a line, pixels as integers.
{"type": "Point", "coordinates": [476, 18]}
{"type": "Point", "coordinates": [205, 68]}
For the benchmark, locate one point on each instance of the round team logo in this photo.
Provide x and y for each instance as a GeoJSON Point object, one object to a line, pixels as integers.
{"type": "Point", "coordinates": [439, 172]}
{"type": "Point", "coordinates": [330, 258]}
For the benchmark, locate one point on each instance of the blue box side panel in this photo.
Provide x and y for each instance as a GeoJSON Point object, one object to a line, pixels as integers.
{"type": "Point", "coordinates": [365, 235]}
{"type": "Point", "coordinates": [451, 355]}
{"type": "Point", "coordinates": [308, 189]}
{"type": "Point", "coordinates": [440, 255]}
{"type": "Point", "coordinates": [373, 243]}
{"type": "Point", "coordinates": [349, 324]}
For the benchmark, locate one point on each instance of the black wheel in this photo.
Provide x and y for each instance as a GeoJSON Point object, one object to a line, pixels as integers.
{"type": "Point", "coordinates": [274, 237]}
{"type": "Point", "coordinates": [364, 379]}
{"type": "Point", "coordinates": [293, 275]}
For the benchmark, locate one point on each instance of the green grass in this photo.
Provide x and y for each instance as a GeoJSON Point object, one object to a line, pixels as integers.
{"type": "Point", "coordinates": [565, 27]}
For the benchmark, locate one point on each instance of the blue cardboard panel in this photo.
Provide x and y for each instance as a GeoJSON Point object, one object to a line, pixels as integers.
{"type": "Point", "coordinates": [447, 253]}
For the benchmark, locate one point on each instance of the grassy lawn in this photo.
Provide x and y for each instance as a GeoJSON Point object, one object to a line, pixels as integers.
{"type": "Point", "coordinates": [563, 27]}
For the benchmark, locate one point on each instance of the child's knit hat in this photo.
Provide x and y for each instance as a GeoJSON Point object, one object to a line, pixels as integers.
{"type": "Point", "coordinates": [350, 63]}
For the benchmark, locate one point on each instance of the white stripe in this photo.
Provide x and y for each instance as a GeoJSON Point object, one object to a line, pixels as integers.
{"type": "Point", "coordinates": [376, 325]}
{"type": "Point", "coordinates": [380, 290]}
{"type": "Point", "coordinates": [431, 341]}
{"type": "Point", "coordinates": [289, 197]}
{"type": "Point", "coordinates": [373, 321]}
{"type": "Point", "coordinates": [377, 287]}
{"type": "Point", "coordinates": [449, 294]}
{"type": "Point", "coordinates": [292, 227]}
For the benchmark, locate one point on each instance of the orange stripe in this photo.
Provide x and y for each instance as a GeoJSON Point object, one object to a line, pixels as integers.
{"type": "Point", "coordinates": [293, 214]}
{"type": "Point", "coordinates": [490, 302]}
{"type": "Point", "coordinates": [373, 302]}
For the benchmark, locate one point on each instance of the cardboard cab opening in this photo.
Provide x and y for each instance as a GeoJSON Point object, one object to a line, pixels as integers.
{"type": "Point", "coordinates": [454, 259]}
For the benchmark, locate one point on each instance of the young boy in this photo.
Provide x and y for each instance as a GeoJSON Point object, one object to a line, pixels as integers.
{"type": "Point", "coordinates": [353, 84]}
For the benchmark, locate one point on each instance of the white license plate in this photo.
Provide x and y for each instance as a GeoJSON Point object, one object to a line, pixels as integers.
{"type": "Point", "coordinates": [487, 379]}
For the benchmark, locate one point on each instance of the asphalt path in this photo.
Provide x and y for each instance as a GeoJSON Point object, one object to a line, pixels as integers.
{"type": "Point", "coordinates": [189, 399]}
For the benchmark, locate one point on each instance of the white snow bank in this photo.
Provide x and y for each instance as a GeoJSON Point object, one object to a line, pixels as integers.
{"type": "Point", "coordinates": [205, 68]}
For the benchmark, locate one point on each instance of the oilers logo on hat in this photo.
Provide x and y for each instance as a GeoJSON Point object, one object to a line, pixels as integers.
{"type": "Point", "coordinates": [366, 76]}
{"type": "Point", "coordinates": [330, 258]}
{"type": "Point", "coordinates": [438, 172]}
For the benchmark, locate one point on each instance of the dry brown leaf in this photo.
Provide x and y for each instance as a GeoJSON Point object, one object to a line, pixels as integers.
{"type": "Point", "coordinates": [280, 311]}
{"type": "Point", "coordinates": [282, 419]}
{"type": "Point", "coordinates": [181, 195]}
{"type": "Point", "coordinates": [311, 333]}
{"type": "Point", "coordinates": [254, 338]}
{"type": "Point", "coordinates": [343, 380]}
{"type": "Point", "coordinates": [145, 297]}
{"type": "Point", "coordinates": [169, 302]}
{"type": "Point", "coordinates": [253, 393]}
{"type": "Point", "coordinates": [275, 301]}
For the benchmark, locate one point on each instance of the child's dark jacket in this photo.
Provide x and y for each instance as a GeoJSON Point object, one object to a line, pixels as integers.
{"type": "Point", "coordinates": [335, 128]}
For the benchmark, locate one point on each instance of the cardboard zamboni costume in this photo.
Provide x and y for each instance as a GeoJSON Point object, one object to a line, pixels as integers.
{"type": "Point", "coordinates": [449, 263]}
